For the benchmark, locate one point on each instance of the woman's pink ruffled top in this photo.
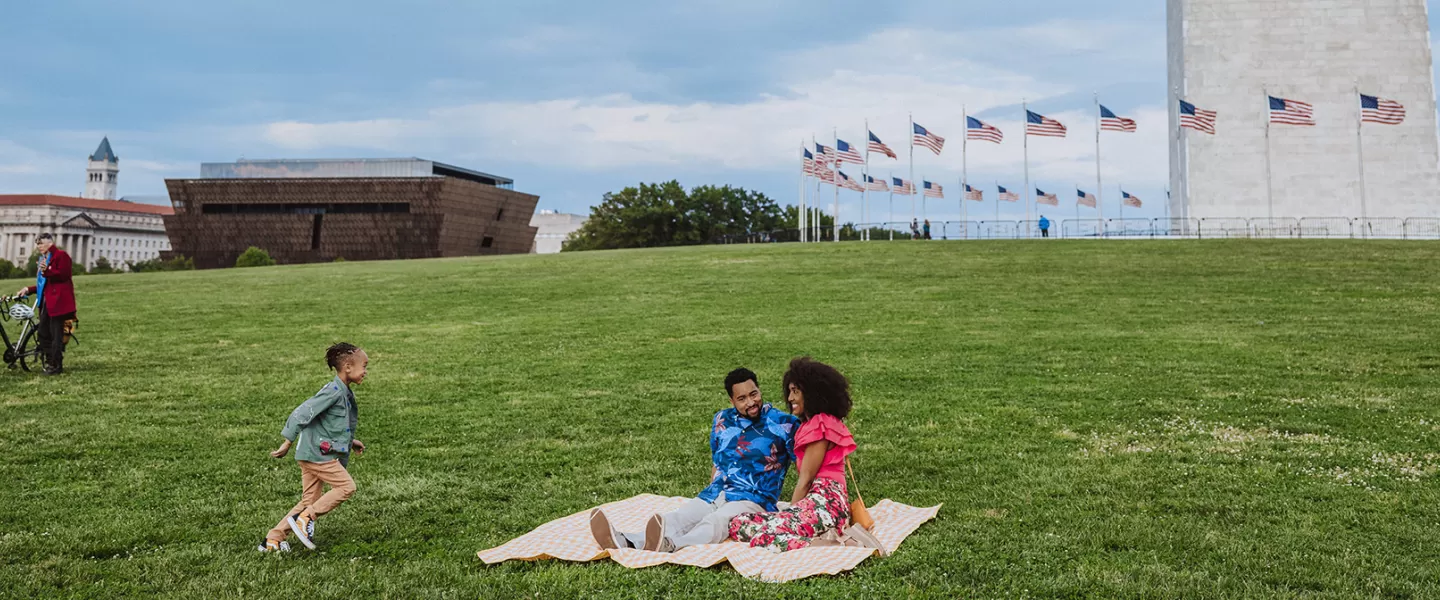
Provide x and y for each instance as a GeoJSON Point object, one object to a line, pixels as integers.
{"type": "Point", "coordinates": [823, 427]}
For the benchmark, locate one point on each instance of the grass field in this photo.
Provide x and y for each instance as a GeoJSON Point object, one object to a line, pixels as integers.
{"type": "Point", "coordinates": [1213, 419]}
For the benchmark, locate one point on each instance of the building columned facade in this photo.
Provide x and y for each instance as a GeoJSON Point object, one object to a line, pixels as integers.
{"type": "Point", "coordinates": [1229, 55]}
{"type": "Point", "coordinates": [303, 210]}
{"type": "Point", "coordinates": [122, 232]}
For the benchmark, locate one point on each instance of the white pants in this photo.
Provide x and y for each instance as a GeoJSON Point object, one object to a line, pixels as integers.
{"type": "Point", "coordinates": [699, 522]}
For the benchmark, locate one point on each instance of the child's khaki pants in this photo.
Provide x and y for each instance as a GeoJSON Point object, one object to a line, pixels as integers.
{"type": "Point", "coordinates": [314, 477]}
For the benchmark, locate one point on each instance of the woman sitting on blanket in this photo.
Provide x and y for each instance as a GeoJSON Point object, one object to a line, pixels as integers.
{"type": "Point", "coordinates": [819, 514]}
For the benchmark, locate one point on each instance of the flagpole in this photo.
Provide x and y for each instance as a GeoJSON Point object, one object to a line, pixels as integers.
{"type": "Point", "coordinates": [835, 224]}
{"type": "Point", "coordinates": [890, 185]}
{"type": "Point", "coordinates": [964, 168]}
{"type": "Point", "coordinates": [1122, 206]}
{"type": "Point", "coordinates": [1025, 107]}
{"type": "Point", "coordinates": [1099, 190]}
{"type": "Point", "coordinates": [963, 225]}
{"type": "Point", "coordinates": [865, 194]}
{"type": "Point", "coordinates": [997, 205]}
{"type": "Point", "coordinates": [1360, 151]}
{"type": "Point", "coordinates": [800, 208]}
{"type": "Point", "coordinates": [912, 167]}
{"type": "Point", "coordinates": [1269, 185]}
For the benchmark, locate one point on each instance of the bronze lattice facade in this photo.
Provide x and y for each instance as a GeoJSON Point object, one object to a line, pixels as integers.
{"type": "Point", "coordinates": [320, 219]}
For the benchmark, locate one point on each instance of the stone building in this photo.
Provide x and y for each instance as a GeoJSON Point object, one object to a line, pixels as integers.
{"type": "Point", "coordinates": [553, 228]}
{"type": "Point", "coordinates": [1228, 55]}
{"type": "Point", "coordinates": [88, 228]}
{"type": "Point", "coordinates": [305, 210]}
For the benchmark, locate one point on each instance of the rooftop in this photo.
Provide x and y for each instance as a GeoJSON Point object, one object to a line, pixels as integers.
{"type": "Point", "coordinates": [299, 168]}
{"type": "Point", "coordinates": [83, 203]}
{"type": "Point", "coordinates": [103, 153]}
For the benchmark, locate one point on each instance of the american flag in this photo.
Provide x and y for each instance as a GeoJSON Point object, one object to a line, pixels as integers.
{"type": "Point", "coordinates": [1381, 111]}
{"type": "Point", "coordinates": [848, 183]}
{"type": "Point", "coordinates": [1044, 198]}
{"type": "Point", "coordinates": [927, 139]}
{"type": "Point", "coordinates": [876, 185]}
{"type": "Point", "coordinates": [878, 146]}
{"type": "Point", "coordinates": [1198, 119]}
{"type": "Point", "coordinates": [976, 129]}
{"type": "Point", "coordinates": [1085, 199]}
{"type": "Point", "coordinates": [1041, 125]}
{"type": "Point", "coordinates": [1007, 195]}
{"type": "Point", "coordinates": [974, 194]}
{"type": "Point", "coordinates": [1110, 122]}
{"type": "Point", "coordinates": [847, 153]}
{"type": "Point", "coordinates": [824, 174]}
{"type": "Point", "coordinates": [824, 154]}
{"type": "Point", "coordinates": [1291, 112]}
{"type": "Point", "coordinates": [1129, 200]}
{"type": "Point", "coordinates": [933, 190]}
{"type": "Point", "coordinates": [807, 162]}
{"type": "Point", "coordinates": [900, 186]}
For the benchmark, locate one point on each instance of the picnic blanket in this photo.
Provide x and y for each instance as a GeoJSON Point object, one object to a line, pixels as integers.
{"type": "Point", "coordinates": [569, 538]}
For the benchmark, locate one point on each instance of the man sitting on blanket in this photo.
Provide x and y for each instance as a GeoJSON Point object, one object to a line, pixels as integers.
{"type": "Point", "coordinates": [751, 446]}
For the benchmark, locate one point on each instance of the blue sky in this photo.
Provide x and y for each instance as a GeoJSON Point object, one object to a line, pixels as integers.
{"type": "Point", "coordinates": [575, 99]}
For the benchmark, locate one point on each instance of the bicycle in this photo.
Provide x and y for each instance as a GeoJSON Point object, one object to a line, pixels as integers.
{"type": "Point", "coordinates": [26, 351]}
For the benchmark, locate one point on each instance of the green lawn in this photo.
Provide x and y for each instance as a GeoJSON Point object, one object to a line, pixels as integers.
{"type": "Point", "coordinates": [1130, 419]}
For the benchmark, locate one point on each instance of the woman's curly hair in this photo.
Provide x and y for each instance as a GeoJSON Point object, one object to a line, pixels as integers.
{"type": "Point", "coordinates": [826, 391]}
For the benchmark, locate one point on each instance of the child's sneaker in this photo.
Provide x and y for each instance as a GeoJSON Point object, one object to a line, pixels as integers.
{"type": "Point", "coordinates": [274, 546]}
{"type": "Point", "coordinates": [304, 528]}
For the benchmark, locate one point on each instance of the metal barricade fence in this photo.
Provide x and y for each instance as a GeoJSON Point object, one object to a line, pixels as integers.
{"type": "Point", "coordinates": [1176, 227]}
{"type": "Point", "coordinates": [1422, 228]}
{"type": "Point", "coordinates": [1380, 228]}
{"type": "Point", "coordinates": [899, 230]}
{"type": "Point", "coordinates": [959, 230]}
{"type": "Point", "coordinates": [1326, 227]}
{"type": "Point", "coordinates": [1130, 228]}
{"type": "Point", "coordinates": [1223, 227]}
{"type": "Point", "coordinates": [1081, 228]}
{"type": "Point", "coordinates": [1278, 227]}
{"type": "Point", "coordinates": [998, 230]}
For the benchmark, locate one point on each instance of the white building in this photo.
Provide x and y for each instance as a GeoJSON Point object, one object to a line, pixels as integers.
{"type": "Point", "coordinates": [552, 229]}
{"type": "Point", "coordinates": [88, 228]}
{"type": "Point", "coordinates": [1228, 55]}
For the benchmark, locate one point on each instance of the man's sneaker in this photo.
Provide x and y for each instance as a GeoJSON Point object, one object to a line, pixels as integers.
{"type": "Point", "coordinates": [606, 535]}
{"type": "Point", "coordinates": [274, 546]}
{"type": "Point", "coordinates": [865, 538]}
{"type": "Point", "coordinates": [304, 528]}
{"type": "Point", "coordinates": [655, 540]}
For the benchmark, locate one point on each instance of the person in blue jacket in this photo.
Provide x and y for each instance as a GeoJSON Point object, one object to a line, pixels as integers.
{"type": "Point", "coordinates": [1044, 227]}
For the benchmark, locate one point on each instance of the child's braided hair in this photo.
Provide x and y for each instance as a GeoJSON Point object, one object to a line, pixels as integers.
{"type": "Point", "coordinates": [336, 355]}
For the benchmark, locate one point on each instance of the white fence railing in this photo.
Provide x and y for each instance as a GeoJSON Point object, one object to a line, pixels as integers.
{"type": "Point", "coordinates": [1415, 228]}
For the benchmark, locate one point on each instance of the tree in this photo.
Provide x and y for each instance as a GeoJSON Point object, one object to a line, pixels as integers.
{"type": "Point", "coordinates": [102, 267]}
{"type": "Point", "coordinates": [8, 270]}
{"type": "Point", "coordinates": [664, 214]}
{"type": "Point", "coordinates": [253, 257]}
{"type": "Point", "coordinates": [32, 266]}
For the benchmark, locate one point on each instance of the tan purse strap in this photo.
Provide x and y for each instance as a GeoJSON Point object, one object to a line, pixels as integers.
{"type": "Point", "coordinates": [854, 483]}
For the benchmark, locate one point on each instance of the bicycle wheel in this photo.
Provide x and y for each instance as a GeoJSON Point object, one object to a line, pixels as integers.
{"type": "Point", "coordinates": [30, 354]}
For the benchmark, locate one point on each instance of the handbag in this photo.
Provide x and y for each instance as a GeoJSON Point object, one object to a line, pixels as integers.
{"type": "Point", "coordinates": [859, 515]}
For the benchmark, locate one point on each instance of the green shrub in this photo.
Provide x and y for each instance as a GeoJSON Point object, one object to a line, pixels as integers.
{"type": "Point", "coordinates": [179, 263]}
{"type": "Point", "coordinates": [8, 270]}
{"type": "Point", "coordinates": [254, 257]}
{"type": "Point", "coordinates": [102, 267]}
{"type": "Point", "coordinates": [339, 259]}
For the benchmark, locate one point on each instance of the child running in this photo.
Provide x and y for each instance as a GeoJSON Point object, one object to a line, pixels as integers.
{"type": "Point", "coordinates": [325, 428]}
{"type": "Point", "coordinates": [820, 396]}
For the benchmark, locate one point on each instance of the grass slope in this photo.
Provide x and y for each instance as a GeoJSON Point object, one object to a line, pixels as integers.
{"type": "Point", "coordinates": [1199, 419]}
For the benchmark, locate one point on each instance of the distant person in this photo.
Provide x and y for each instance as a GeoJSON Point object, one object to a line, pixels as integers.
{"type": "Point", "coordinates": [57, 301]}
{"type": "Point", "coordinates": [914, 229]}
{"type": "Point", "coordinates": [820, 506]}
{"type": "Point", "coordinates": [325, 429]}
{"type": "Point", "coordinates": [1044, 227]}
{"type": "Point", "coordinates": [751, 444]}
{"type": "Point", "coordinates": [927, 229]}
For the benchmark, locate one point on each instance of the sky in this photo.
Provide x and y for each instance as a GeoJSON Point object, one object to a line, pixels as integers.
{"type": "Point", "coordinates": [575, 99]}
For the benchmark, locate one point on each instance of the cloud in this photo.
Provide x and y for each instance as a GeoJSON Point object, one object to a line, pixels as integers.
{"type": "Point", "coordinates": [885, 76]}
